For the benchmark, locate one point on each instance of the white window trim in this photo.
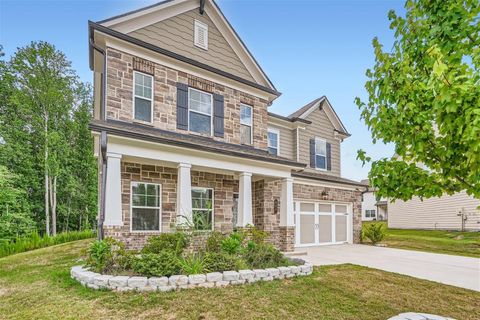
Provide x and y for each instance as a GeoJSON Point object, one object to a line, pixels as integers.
{"type": "Point", "coordinates": [317, 139]}
{"type": "Point", "coordinates": [248, 125]}
{"type": "Point", "coordinates": [277, 132]}
{"type": "Point", "coordinates": [196, 25]}
{"type": "Point", "coordinates": [199, 112]}
{"type": "Point", "coordinates": [213, 205]}
{"type": "Point", "coordinates": [151, 99]}
{"type": "Point", "coordinates": [142, 207]}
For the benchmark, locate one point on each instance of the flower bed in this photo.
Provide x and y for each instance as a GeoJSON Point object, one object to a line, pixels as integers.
{"type": "Point", "coordinates": [209, 280]}
{"type": "Point", "coordinates": [166, 262]}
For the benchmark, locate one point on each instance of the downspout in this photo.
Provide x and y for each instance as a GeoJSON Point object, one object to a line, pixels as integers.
{"type": "Point", "coordinates": [104, 76]}
{"type": "Point", "coordinates": [103, 150]}
{"type": "Point", "coordinates": [103, 138]}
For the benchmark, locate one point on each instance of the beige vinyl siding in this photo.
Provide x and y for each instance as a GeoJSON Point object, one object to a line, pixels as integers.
{"type": "Point", "coordinates": [176, 34]}
{"type": "Point", "coordinates": [435, 213]}
{"type": "Point", "coordinates": [321, 127]}
{"type": "Point", "coordinates": [287, 142]}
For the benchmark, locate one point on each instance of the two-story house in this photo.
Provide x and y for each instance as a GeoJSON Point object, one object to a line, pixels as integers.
{"type": "Point", "coordinates": [184, 136]}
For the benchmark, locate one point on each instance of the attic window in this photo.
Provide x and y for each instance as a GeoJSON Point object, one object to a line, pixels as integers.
{"type": "Point", "coordinates": [201, 34]}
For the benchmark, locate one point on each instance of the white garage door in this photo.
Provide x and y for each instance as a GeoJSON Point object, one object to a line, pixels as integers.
{"type": "Point", "coordinates": [321, 223]}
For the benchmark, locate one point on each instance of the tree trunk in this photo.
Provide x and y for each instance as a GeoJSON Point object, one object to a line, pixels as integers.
{"type": "Point", "coordinates": [47, 211]}
{"type": "Point", "coordinates": [53, 202]}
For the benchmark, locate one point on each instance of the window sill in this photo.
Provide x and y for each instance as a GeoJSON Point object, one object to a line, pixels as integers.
{"type": "Point", "coordinates": [145, 123]}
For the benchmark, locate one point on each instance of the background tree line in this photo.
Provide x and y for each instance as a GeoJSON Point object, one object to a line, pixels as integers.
{"type": "Point", "coordinates": [48, 174]}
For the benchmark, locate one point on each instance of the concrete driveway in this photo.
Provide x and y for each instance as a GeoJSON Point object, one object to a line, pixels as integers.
{"type": "Point", "coordinates": [448, 269]}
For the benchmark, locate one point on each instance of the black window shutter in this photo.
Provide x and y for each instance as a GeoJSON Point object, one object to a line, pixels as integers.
{"type": "Point", "coordinates": [329, 156]}
{"type": "Point", "coordinates": [312, 153]}
{"type": "Point", "coordinates": [182, 106]}
{"type": "Point", "coordinates": [218, 115]}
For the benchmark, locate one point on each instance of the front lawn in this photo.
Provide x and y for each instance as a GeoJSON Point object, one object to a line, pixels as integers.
{"type": "Point", "coordinates": [437, 241]}
{"type": "Point", "coordinates": [37, 285]}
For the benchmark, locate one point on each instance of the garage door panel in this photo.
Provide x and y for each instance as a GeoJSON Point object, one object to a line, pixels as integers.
{"type": "Point", "coordinates": [307, 229]}
{"type": "Point", "coordinates": [341, 228]}
{"type": "Point", "coordinates": [324, 228]}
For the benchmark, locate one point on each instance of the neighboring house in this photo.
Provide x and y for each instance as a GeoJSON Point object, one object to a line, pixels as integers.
{"type": "Point", "coordinates": [373, 208]}
{"type": "Point", "coordinates": [456, 212]}
{"type": "Point", "coordinates": [184, 136]}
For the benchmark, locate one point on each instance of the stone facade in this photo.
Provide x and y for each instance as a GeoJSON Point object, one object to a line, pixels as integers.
{"type": "Point", "coordinates": [120, 97]}
{"type": "Point", "coordinates": [310, 192]}
{"type": "Point", "coordinates": [224, 187]}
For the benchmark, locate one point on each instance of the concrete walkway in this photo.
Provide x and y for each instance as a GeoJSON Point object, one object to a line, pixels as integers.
{"type": "Point", "coordinates": [457, 271]}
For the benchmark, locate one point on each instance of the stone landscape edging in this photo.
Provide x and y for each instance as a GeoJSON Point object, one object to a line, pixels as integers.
{"type": "Point", "coordinates": [98, 281]}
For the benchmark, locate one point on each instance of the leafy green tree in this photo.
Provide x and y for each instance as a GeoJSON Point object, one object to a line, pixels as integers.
{"type": "Point", "coordinates": [44, 115]}
{"type": "Point", "coordinates": [424, 98]}
{"type": "Point", "coordinates": [14, 209]}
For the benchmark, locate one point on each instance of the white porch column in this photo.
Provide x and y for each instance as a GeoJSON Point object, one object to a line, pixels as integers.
{"type": "Point", "coordinates": [184, 194]}
{"type": "Point", "coordinates": [245, 200]}
{"type": "Point", "coordinates": [286, 203]}
{"type": "Point", "coordinates": [113, 191]}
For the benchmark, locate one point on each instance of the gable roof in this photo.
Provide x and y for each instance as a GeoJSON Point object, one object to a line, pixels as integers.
{"type": "Point", "coordinates": [136, 19]}
{"type": "Point", "coordinates": [321, 102]}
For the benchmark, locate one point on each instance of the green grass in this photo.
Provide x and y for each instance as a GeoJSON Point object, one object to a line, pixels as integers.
{"type": "Point", "coordinates": [437, 241]}
{"type": "Point", "coordinates": [37, 285]}
{"type": "Point", "coordinates": [35, 241]}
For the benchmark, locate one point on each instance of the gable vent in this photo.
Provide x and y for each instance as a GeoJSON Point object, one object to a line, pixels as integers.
{"type": "Point", "coordinates": [201, 34]}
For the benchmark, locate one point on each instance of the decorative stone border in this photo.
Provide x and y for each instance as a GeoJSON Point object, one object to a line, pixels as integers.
{"type": "Point", "coordinates": [214, 279]}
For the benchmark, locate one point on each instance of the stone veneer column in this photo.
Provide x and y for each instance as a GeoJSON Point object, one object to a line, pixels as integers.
{"type": "Point", "coordinates": [113, 191]}
{"type": "Point", "coordinates": [245, 200]}
{"type": "Point", "coordinates": [184, 194]}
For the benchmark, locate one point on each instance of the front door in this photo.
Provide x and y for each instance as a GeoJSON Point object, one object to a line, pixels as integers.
{"type": "Point", "coordinates": [320, 223]}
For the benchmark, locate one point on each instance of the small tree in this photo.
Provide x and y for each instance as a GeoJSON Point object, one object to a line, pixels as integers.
{"type": "Point", "coordinates": [424, 98]}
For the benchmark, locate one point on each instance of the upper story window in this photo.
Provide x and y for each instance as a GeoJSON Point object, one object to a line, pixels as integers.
{"type": "Point", "coordinates": [245, 124]}
{"type": "Point", "coordinates": [320, 154]}
{"type": "Point", "coordinates": [273, 141]}
{"type": "Point", "coordinates": [201, 34]}
{"type": "Point", "coordinates": [199, 111]}
{"type": "Point", "coordinates": [143, 97]}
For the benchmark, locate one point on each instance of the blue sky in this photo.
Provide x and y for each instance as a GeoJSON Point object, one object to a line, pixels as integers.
{"type": "Point", "coordinates": [307, 48]}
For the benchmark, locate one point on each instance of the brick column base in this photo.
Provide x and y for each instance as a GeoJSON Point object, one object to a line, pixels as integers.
{"type": "Point", "coordinates": [286, 239]}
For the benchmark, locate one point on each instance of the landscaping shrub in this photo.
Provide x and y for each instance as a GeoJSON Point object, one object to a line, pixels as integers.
{"type": "Point", "coordinates": [214, 242]}
{"type": "Point", "coordinates": [35, 241]}
{"type": "Point", "coordinates": [192, 264]}
{"type": "Point", "coordinates": [175, 242]}
{"type": "Point", "coordinates": [165, 263]}
{"type": "Point", "coordinates": [375, 232]}
{"type": "Point", "coordinates": [263, 256]}
{"type": "Point", "coordinates": [219, 261]}
{"type": "Point", "coordinates": [232, 244]}
{"type": "Point", "coordinates": [254, 234]}
{"type": "Point", "coordinates": [108, 256]}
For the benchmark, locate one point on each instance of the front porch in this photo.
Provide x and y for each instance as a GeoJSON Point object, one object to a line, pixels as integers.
{"type": "Point", "coordinates": [146, 197]}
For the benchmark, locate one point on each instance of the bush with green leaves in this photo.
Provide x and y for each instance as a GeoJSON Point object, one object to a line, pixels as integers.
{"type": "Point", "coordinates": [174, 242]}
{"type": "Point", "coordinates": [192, 264]}
{"type": "Point", "coordinates": [214, 242]}
{"type": "Point", "coordinates": [375, 232]}
{"type": "Point", "coordinates": [232, 244]}
{"type": "Point", "coordinates": [163, 264]}
{"type": "Point", "coordinates": [263, 256]}
{"type": "Point", "coordinates": [219, 261]}
{"type": "Point", "coordinates": [108, 256]}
